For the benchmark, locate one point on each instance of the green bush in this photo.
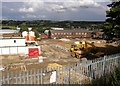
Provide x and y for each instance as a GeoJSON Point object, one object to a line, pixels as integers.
{"type": "Point", "coordinates": [112, 79]}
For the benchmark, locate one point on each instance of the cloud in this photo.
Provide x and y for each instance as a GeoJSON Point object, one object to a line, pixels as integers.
{"type": "Point", "coordinates": [54, 10]}
{"type": "Point", "coordinates": [31, 6]}
{"type": "Point", "coordinates": [31, 16]}
{"type": "Point", "coordinates": [12, 9]}
{"type": "Point", "coordinates": [56, 5]}
{"type": "Point", "coordinates": [26, 10]}
{"type": "Point", "coordinates": [52, 0]}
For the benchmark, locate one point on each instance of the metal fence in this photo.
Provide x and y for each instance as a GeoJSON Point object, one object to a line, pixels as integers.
{"type": "Point", "coordinates": [78, 73]}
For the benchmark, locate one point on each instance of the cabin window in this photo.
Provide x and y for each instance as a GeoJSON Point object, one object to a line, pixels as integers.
{"type": "Point", "coordinates": [14, 41]}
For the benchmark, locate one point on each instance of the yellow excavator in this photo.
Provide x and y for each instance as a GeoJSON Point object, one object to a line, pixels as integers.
{"type": "Point", "coordinates": [81, 49]}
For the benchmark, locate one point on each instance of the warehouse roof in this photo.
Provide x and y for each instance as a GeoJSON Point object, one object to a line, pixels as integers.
{"type": "Point", "coordinates": [3, 31]}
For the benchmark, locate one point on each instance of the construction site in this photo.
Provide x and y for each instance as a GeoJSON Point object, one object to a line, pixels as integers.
{"type": "Point", "coordinates": [60, 42]}
{"type": "Point", "coordinates": [64, 60]}
{"type": "Point", "coordinates": [57, 51]}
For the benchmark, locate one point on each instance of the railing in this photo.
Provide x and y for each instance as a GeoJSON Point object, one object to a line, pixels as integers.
{"type": "Point", "coordinates": [77, 73]}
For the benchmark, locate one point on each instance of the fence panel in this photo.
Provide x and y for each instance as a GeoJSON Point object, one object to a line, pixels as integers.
{"type": "Point", "coordinates": [77, 73]}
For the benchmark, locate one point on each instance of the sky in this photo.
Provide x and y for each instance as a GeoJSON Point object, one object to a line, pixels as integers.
{"type": "Point", "coordinates": [58, 10]}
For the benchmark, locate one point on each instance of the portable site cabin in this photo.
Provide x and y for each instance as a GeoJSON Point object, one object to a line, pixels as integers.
{"type": "Point", "coordinates": [17, 45]}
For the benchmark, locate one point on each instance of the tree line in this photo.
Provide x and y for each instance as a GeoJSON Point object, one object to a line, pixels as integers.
{"type": "Point", "coordinates": [39, 26]}
{"type": "Point", "coordinates": [49, 23]}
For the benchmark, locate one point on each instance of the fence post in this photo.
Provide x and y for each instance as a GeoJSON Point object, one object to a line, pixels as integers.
{"type": "Point", "coordinates": [64, 75]}
{"type": "Point", "coordinates": [31, 79]}
{"type": "Point", "coordinates": [41, 76]}
{"type": "Point", "coordinates": [69, 74]}
{"type": "Point", "coordinates": [57, 75]}
{"type": "Point", "coordinates": [1, 80]}
{"type": "Point", "coordinates": [8, 78]}
{"type": "Point", "coordinates": [38, 76]}
{"type": "Point", "coordinates": [90, 73]}
{"type": "Point", "coordinates": [20, 75]}
{"type": "Point", "coordinates": [104, 60]}
{"type": "Point", "coordinates": [24, 77]}
{"type": "Point", "coordinates": [27, 76]}
{"type": "Point", "coordinates": [16, 78]}
{"type": "Point", "coordinates": [34, 76]}
{"type": "Point", "coordinates": [11, 78]}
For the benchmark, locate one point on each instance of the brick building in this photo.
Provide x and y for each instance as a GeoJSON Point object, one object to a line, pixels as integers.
{"type": "Point", "coordinates": [70, 33]}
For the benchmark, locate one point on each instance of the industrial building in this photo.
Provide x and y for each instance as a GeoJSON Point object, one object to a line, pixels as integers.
{"type": "Point", "coordinates": [9, 33]}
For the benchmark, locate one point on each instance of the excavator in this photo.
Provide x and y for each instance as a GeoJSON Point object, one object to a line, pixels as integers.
{"type": "Point", "coordinates": [82, 49]}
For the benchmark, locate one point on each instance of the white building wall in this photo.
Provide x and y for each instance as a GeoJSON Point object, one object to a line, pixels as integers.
{"type": "Point", "coordinates": [22, 50]}
{"type": "Point", "coordinates": [4, 50]}
{"type": "Point", "coordinates": [13, 50]}
{"type": "Point", "coordinates": [12, 42]}
{"type": "Point", "coordinates": [17, 50]}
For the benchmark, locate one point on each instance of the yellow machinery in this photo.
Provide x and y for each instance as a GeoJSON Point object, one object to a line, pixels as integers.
{"type": "Point", "coordinates": [81, 49]}
{"type": "Point", "coordinates": [38, 39]}
{"type": "Point", "coordinates": [54, 66]}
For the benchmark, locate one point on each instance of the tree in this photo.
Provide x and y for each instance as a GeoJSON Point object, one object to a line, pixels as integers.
{"type": "Point", "coordinates": [112, 24]}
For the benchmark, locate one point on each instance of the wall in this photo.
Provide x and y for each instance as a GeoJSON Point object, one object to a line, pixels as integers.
{"type": "Point", "coordinates": [17, 50]}
{"type": "Point", "coordinates": [71, 35]}
{"type": "Point", "coordinates": [12, 42]}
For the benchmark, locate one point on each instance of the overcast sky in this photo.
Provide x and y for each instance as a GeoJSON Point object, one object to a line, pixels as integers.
{"type": "Point", "coordinates": [78, 10]}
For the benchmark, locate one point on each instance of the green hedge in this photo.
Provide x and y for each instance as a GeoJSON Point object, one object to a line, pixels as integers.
{"type": "Point", "coordinates": [112, 79]}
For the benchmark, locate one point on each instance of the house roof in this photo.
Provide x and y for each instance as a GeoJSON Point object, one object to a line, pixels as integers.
{"type": "Point", "coordinates": [43, 35]}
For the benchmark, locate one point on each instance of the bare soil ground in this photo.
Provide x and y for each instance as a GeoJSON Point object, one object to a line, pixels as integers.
{"type": "Point", "coordinates": [50, 53]}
